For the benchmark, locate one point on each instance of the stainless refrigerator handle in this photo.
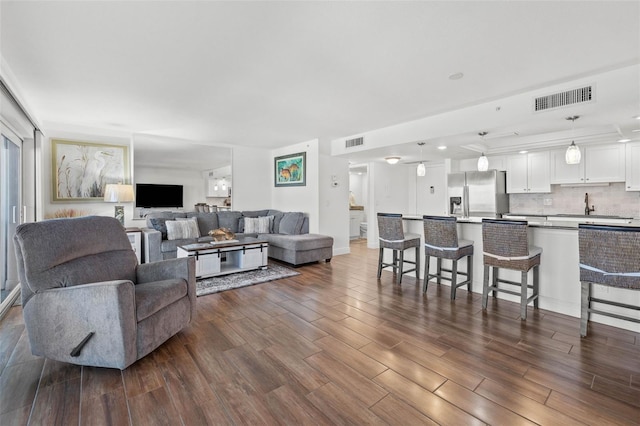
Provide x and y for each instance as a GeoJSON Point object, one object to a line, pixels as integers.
{"type": "Point", "coordinates": [465, 201]}
{"type": "Point", "coordinates": [13, 211]}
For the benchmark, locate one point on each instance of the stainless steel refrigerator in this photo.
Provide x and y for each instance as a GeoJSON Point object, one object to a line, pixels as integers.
{"type": "Point", "coordinates": [478, 194]}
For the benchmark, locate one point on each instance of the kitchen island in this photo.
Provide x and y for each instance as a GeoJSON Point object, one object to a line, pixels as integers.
{"type": "Point", "coordinates": [559, 272]}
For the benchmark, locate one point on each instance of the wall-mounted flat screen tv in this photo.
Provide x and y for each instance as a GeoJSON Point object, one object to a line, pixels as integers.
{"type": "Point", "coordinates": [154, 195]}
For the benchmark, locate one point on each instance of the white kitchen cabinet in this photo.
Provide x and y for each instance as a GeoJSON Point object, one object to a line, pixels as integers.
{"type": "Point", "coordinates": [632, 169]}
{"type": "Point", "coordinates": [599, 164]}
{"type": "Point", "coordinates": [356, 217]}
{"type": "Point", "coordinates": [528, 173]}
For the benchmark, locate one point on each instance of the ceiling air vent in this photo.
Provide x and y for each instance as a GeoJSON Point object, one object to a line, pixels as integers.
{"type": "Point", "coordinates": [570, 97]}
{"type": "Point", "coordinates": [350, 143]}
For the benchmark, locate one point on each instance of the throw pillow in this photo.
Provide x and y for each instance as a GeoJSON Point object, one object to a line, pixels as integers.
{"type": "Point", "coordinates": [159, 224]}
{"type": "Point", "coordinates": [182, 228]}
{"type": "Point", "coordinates": [258, 225]}
{"type": "Point", "coordinates": [229, 220]}
{"type": "Point", "coordinates": [291, 223]}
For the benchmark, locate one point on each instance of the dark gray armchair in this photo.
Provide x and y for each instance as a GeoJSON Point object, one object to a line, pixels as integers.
{"type": "Point", "coordinates": [86, 300]}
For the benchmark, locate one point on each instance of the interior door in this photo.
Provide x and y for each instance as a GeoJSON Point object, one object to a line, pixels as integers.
{"type": "Point", "coordinates": [10, 207]}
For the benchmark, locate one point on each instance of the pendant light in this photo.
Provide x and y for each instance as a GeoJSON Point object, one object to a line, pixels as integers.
{"type": "Point", "coordinates": [421, 170]}
{"type": "Point", "coordinates": [483, 161]}
{"type": "Point", "coordinates": [572, 156]}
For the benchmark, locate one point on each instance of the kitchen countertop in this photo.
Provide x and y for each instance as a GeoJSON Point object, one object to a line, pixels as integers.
{"type": "Point", "coordinates": [552, 221]}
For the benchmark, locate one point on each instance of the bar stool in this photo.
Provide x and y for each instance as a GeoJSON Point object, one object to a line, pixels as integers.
{"type": "Point", "coordinates": [610, 256]}
{"type": "Point", "coordinates": [506, 245]}
{"type": "Point", "coordinates": [441, 241]}
{"type": "Point", "coordinates": [392, 236]}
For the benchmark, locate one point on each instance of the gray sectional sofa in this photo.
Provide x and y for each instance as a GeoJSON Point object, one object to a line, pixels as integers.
{"type": "Point", "coordinates": [288, 234]}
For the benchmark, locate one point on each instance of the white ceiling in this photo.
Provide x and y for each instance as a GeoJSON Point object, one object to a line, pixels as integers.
{"type": "Point", "coordinates": [270, 74]}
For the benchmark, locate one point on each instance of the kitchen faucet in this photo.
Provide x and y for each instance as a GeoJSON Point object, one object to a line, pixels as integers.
{"type": "Point", "coordinates": [587, 210]}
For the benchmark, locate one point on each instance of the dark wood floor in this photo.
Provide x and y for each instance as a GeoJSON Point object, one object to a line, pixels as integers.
{"type": "Point", "coordinates": [335, 346]}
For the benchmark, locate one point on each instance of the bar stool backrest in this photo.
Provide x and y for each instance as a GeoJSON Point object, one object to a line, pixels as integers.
{"type": "Point", "coordinates": [611, 254]}
{"type": "Point", "coordinates": [440, 231]}
{"type": "Point", "coordinates": [390, 227]}
{"type": "Point", "coordinates": [506, 238]}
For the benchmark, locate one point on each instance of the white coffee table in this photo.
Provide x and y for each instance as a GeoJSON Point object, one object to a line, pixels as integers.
{"type": "Point", "coordinates": [227, 257]}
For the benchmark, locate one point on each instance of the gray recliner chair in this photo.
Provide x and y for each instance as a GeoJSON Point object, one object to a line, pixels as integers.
{"type": "Point", "coordinates": [86, 300]}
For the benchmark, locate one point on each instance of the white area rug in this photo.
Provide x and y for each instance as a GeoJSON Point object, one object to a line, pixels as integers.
{"type": "Point", "coordinates": [242, 279]}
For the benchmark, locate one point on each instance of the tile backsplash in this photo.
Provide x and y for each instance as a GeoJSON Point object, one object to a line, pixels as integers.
{"type": "Point", "coordinates": [608, 200]}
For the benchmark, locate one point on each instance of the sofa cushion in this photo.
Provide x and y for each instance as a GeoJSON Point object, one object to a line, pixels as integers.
{"type": "Point", "coordinates": [291, 223]}
{"type": "Point", "coordinates": [229, 220]}
{"type": "Point", "coordinates": [182, 228]}
{"type": "Point", "coordinates": [163, 215]}
{"type": "Point", "coordinates": [167, 246]}
{"type": "Point", "coordinates": [275, 223]}
{"type": "Point", "coordinates": [154, 296]}
{"type": "Point", "coordinates": [300, 242]}
{"type": "Point", "coordinates": [255, 213]}
{"type": "Point", "coordinates": [252, 214]}
{"type": "Point", "coordinates": [159, 224]}
{"type": "Point", "coordinates": [206, 221]}
{"type": "Point", "coordinates": [260, 225]}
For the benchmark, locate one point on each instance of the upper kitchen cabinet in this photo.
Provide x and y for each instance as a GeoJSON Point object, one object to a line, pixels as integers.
{"type": "Point", "coordinates": [633, 167]}
{"type": "Point", "coordinates": [599, 164]}
{"type": "Point", "coordinates": [528, 173]}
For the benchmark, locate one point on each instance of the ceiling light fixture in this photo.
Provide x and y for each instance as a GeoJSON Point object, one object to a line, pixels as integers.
{"type": "Point", "coordinates": [421, 170]}
{"type": "Point", "coordinates": [456, 76]}
{"type": "Point", "coordinates": [572, 156]}
{"type": "Point", "coordinates": [483, 161]}
{"type": "Point", "coordinates": [392, 160]}
{"type": "Point", "coordinates": [623, 140]}
{"type": "Point", "coordinates": [442, 147]}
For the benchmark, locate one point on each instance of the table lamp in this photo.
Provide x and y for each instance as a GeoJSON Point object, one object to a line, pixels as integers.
{"type": "Point", "coordinates": [118, 193]}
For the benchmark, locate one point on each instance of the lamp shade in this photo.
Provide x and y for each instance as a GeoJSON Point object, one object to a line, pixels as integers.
{"type": "Point", "coordinates": [483, 163]}
{"type": "Point", "coordinates": [421, 170]}
{"type": "Point", "coordinates": [572, 156]}
{"type": "Point", "coordinates": [118, 193]}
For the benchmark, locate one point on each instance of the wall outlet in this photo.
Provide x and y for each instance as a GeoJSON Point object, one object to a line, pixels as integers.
{"type": "Point", "coordinates": [547, 201]}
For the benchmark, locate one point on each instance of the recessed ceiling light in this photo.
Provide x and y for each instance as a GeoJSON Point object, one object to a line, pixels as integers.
{"type": "Point", "coordinates": [392, 160]}
{"type": "Point", "coordinates": [623, 140]}
{"type": "Point", "coordinates": [456, 76]}
{"type": "Point", "coordinates": [441, 147]}
{"type": "Point", "coordinates": [523, 152]}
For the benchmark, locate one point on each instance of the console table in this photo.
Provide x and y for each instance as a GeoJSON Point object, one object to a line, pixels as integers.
{"type": "Point", "coordinates": [226, 257]}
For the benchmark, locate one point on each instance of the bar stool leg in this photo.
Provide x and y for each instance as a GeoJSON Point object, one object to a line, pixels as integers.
{"type": "Point", "coordinates": [536, 274]}
{"type": "Point", "coordinates": [439, 270]}
{"type": "Point", "coordinates": [584, 307]}
{"type": "Point", "coordinates": [485, 287]}
{"type": "Point", "coordinates": [523, 295]}
{"type": "Point", "coordinates": [400, 266]}
{"type": "Point", "coordinates": [417, 263]}
{"type": "Point", "coordinates": [454, 278]}
{"type": "Point", "coordinates": [494, 282]}
{"type": "Point", "coordinates": [395, 261]}
{"type": "Point", "coordinates": [469, 273]}
{"type": "Point", "coordinates": [425, 276]}
{"type": "Point", "coordinates": [380, 262]}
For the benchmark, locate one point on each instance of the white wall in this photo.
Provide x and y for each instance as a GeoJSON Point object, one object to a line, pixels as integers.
{"type": "Point", "coordinates": [426, 201]}
{"type": "Point", "coordinates": [334, 201]}
{"type": "Point", "coordinates": [300, 198]}
{"type": "Point", "coordinates": [252, 180]}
